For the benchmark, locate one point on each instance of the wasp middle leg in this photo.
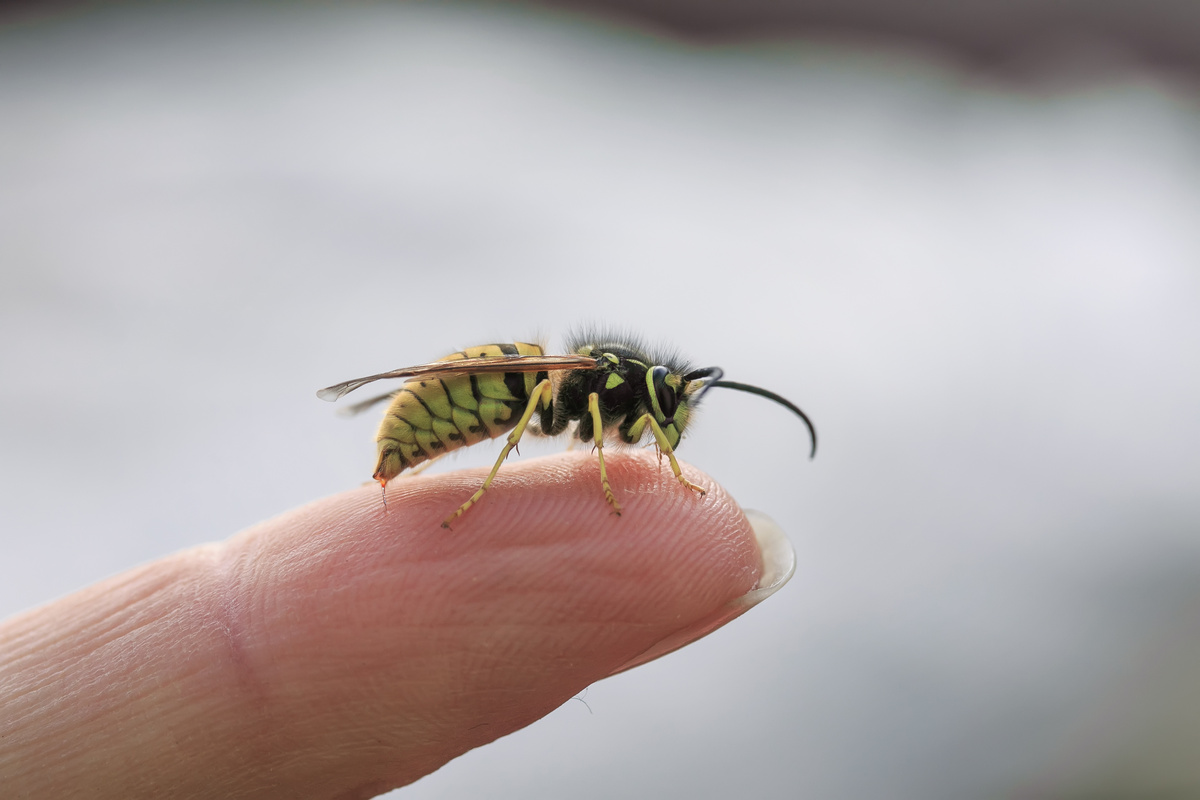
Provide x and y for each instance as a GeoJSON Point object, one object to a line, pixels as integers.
{"type": "Point", "coordinates": [598, 435]}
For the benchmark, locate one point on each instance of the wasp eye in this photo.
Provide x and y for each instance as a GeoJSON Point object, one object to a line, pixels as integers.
{"type": "Point", "coordinates": [665, 395]}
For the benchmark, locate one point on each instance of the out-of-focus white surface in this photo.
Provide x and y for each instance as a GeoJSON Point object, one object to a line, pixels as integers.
{"type": "Point", "coordinates": [986, 296]}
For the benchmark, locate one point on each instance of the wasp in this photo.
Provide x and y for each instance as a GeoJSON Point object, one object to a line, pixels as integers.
{"type": "Point", "coordinates": [606, 385]}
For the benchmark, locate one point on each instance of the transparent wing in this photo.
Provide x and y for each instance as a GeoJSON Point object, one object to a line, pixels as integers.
{"type": "Point", "coordinates": [464, 366]}
{"type": "Point", "coordinates": [363, 405]}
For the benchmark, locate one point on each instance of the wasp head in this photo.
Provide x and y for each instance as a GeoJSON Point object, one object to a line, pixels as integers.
{"type": "Point", "coordinates": [672, 395]}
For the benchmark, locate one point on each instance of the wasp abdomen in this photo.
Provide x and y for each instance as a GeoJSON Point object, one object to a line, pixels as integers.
{"type": "Point", "coordinates": [429, 417]}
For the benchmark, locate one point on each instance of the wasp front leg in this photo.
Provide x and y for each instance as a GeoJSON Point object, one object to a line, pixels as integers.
{"type": "Point", "coordinates": [542, 390]}
{"type": "Point", "coordinates": [598, 435]}
{"type": "Point", "coordinates": [664, 446]}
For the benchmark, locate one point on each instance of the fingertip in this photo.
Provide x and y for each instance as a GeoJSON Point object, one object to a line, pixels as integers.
{"type": "Point", "coordinates": [374, 620]}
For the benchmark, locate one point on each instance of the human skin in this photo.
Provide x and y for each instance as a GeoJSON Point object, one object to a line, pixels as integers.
{"type": "Point", "coordinates": [341, 650]}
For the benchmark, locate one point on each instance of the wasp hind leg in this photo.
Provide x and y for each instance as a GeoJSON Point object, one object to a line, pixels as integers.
{"type": "Point", "coordinates": [598, 435]}
{"type": "Point", "coordinates": [542, 389]}
{"type": "Point", "coordinates": [664, 446]}
{"type": "Point", "coordinates": [413, 472]}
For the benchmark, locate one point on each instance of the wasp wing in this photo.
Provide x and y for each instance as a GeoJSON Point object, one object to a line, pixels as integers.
{"type": "Point", "coordinates": [363, 405]}
{"type": "Point", "coordinates": [465, 366]}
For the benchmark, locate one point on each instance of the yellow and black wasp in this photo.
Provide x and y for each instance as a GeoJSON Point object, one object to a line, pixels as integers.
{"type": "Point", "coordinates": [606, 384]}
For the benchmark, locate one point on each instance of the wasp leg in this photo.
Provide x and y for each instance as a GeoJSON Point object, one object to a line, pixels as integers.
{"type": "Point", "coordinates": [598, 433]}
{"type": "Point", "coordinates": [635, 433]}
{"type": "Point", "coordinates": [413, 472]}
{"type": "Point", "coordinates": [543, 388]}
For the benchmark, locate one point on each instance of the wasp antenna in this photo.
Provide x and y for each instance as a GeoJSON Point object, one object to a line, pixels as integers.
{"type": "Point", "coordinates": [712, 373]}
{"type": "Point", "coordinates": [783, 401]}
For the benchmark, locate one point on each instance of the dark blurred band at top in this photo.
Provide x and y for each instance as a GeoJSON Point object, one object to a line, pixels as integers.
{"type": "Point", "coordinates": [985, 32]}
{"type": "Point", "coordinates": [992, 34]}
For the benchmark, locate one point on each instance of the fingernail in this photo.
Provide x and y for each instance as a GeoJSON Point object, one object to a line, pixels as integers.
{"type": "Point", "coordinates": [778, 566]}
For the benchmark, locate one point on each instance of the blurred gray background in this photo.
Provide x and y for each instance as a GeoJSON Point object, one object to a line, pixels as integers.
{"type": "Point", "coordinates": [976, 265]}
